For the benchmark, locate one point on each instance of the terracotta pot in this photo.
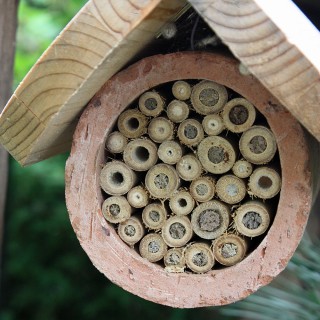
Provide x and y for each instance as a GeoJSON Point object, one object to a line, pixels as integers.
{"type": "Point", "coordinates": [124, 266]}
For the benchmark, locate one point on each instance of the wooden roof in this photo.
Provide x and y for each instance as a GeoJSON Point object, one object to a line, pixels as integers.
{"type": "Point", "coordinates": [104, 36]}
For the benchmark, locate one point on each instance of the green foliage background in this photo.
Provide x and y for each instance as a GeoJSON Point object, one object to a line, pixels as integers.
{"type": "Point", "coordinates": [46, 274]}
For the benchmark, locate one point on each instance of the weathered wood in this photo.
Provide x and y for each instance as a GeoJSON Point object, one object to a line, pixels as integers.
{"type": "Point", "coordinates": [8, 24]}
{"type": "Point", "coordinates": [278, 44]}
{"type": "Point", "coordinates": [39, 119]}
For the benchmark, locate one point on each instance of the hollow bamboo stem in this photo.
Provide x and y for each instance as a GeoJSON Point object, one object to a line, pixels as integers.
{"type": "Point", "coordinates": [177, 111]}
{"type": "Point", "coordinates": [151, 103]}
{"type": "Point", "coordinates": [174, 260]}
{"type": "Point", "coordinates": [132, 123]}
{"type": "Point", "coordinates": [138, 197]}
{"type": "Point", "coordinates": [160, 129]}
{"type": "Point", "coordinates": [116, 209]}
{"type": "Point", "coordinates": [116, 178]}
{"type": "Point", "coordinates": [210, 219]}
{"type": "Point", "coordinates": [116, 142]}
{"type": "Point", "coordinates": [181, 203]}
{"type": "Point", "coordinates": [140, 154]}
{"type": "Point", "coordinates": [189, 167]}
{"type": "Point", "coordinates": [152, 247]}
{"type": "Point", "coordinates": [170, 152]}
{"type": "Point", "coordinates": [181, 90]}
{"type": "Point", "coordinates": [154, 216]}
{"type": "Point", "coordinates": [252, 219]}
{"type": "Point", "coordinates": [202, 189]}
{"type": "Point", "coordinates": [230, 189]}
{"type": "Point", "coordinates": [242, 169]}
{"type": "Point", "coordinates": [258, 145]}
{"type": "Point", "coordinates": [208, 97]}
{"type": "Point", "coordinates": [190, 132]}
{"type": "Point", "coordinates": [213, 124]}
{"type": "Point", "coordinates": [131, 231]}
{"type": "Point", "coordinates": [199, 257]}
{"type": "Point", "coordinates": [177, 231]}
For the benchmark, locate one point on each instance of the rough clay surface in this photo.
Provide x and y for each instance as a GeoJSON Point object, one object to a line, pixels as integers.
{"type": "Point", "coordinates": [124, 266]}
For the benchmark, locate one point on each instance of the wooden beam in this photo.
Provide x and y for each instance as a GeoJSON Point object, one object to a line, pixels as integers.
{"type": "Point", "coordinates": [278, 45]}
{"type": "Point", "coordinates": [8, 25]}
{"type": "Point", "coordinates": [40, 117]}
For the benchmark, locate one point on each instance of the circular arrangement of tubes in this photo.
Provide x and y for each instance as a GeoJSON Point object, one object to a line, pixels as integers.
{"type": "Point", "coordinates": [192, 176]}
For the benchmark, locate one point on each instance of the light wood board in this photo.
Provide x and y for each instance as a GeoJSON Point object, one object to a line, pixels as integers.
{"type": "Point", "coordinates": [278, 45]}
{"type": "Point", "coordinates": [40, 117]}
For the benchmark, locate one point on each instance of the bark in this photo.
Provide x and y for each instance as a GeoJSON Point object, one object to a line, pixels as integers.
{"type": "Point", "coordinates": [8, 25]}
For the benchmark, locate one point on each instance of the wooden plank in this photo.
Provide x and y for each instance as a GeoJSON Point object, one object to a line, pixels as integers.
{"type": "Point", "coordinates": [39, 119]}
{"type": "Point", "coordinates": [278, 45]}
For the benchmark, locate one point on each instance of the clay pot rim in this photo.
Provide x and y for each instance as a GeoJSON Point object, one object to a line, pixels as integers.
{"type": "Point", "coordinates": [124, 266]}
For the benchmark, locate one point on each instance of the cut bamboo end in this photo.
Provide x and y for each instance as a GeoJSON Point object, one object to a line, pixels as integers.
{"type": "Point", "coordinates": [154, 216]}
{"type": "Point", "coordinates": [190, 132]}
{"type": "Point", "coordinates": [132, 123]}
{"type": "Point", "coordinates": [138, 197]}
{"type": "Point", "coordinates": [174, 260]}
{"type": "Point", "coordinates": [258, 145]}
{"type": "Point", "coordinates": [160, 129]}
{"type": "Point", "coordinates": [151, 104]}
{"type": "Point", "coordinates": [140, 154]}
{"type": "Point", "coordinates": [229, 249]}
{"type": "Point", "coordinates": [252, 219]}
{"type": "Point", "coordinates": [131, 231]}
{"type": "Point", "coordinates": [242, 169]}
{"type": "Point", "coordinates": [170, 152]}
{"type": "Point", "coordinates": [208, 97]}
{"type": "Point", "coordinates": [181, 90]}
{"type": "Point", "coordinates": [162, 181]}
{"type": "Point", "coordinates": [116, 178]}
{"type": "Point", "coordinates": [152, 247]}
{"type": "Point", "coordinates": [116, 209]}
{"type": "Point", "coordinates": [199, 257]}
{"type": "Point", "coordinates": [116, 142]}
{"type": "Point", "coordinates": [177, 231]}
{"type": "Point", "coordinates": [202, 189]}
{"type": "Point", "coordinates": [231, 189]}
{"type": "Point", "coordinates": [264, 183]}
{"type": "Point", "coordinates": [177, 111]}
{"type": "Point", "coordinates": [181, 203]}
{"type": "Point", "coordinates": [213, 124]}
{"type": "Point", "coordinates": [210, 219]}
{"type": "Point", "coordinates": [189, 167]}
{"type": "Point", "coordinates": [238, 115]}
{"type": "Point", "coordinates": [216, 154]}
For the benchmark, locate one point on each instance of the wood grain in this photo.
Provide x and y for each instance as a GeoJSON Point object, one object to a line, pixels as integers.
{"type": "Point", "coordinates": [40, 117]}
{"type": "Point", "coordinates": [278, 44]}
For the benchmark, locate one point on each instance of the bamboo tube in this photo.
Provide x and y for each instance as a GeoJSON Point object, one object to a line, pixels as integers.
{"type": "Point", "coordinates": [258, 145]}
{"type": "Point", "coordinates": [199, 257]}
{"type": "Point", "coordinates": [116, 178]}
{"type": "Point", "coordinates": [189, 167]}
{"type": "Point", "coordinates": [216, 154]}
{"type": "Point", "coordinates": [177, 231]}
{"type": "Point", "coordinates": [160, 129]}
{"type": "Point", "coordinates": [140, 154]}
{"type": "Point", "coordinates": [238, 115]}
{"type": "Point", "coordinates": [162, 181]}
{"type": "Point", "coordinates": [210, 219]}
{"type": "Point", "coordinates": [152, 247]}
{"type": "Point", "coordinates": [154, 216]}
{"type": "Point", "coordinates": [252, 219]}
{"type": "Point", "coordinates": [181, 90]}
{"type": "Point", "coordinates": [213, 124]}
{"type": "Point", "coordinates": [181, 203]}
{"type": "Point", "coordinates": [208, 97]}
{"type": "Point", "coordinates": [138, 197]}
{"type": "Point", "coordinates": [264, 183]}
{"type": "Point", "coordinates": [229, 249]}
{"type": "Point", "coordinates": [116, 142]}
{"type": "Point", "coordinates": [131, 231]}
{"type": "Point", "coordinates": [202, 189]}
{"type": "Point", "coordinates": [116, 209]}
{"type": "Point", "coordinates": [170, 152]}
{"type": "Point", "coordinates": [151, 104]}
{"type": "Point", "coordinates": [190, 132]}
{"type": "Point", "coordinates": [177, 111]}
{"type": "Point", "coordinates": [230, 189]}
{"type": "Point", "coordinates": [174, 260]}
{"type": "Point", "coordinates": [242, 169]}
{"type": "Point", "coordinates": [132, 123]}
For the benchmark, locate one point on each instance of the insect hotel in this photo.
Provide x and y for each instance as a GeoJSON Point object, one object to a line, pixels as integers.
{"type": "Point", "coordinates": [189, 176]}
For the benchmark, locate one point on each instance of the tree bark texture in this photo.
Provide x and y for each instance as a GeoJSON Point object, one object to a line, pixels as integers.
{"type": "Point", "coordinates": [8, 25]}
